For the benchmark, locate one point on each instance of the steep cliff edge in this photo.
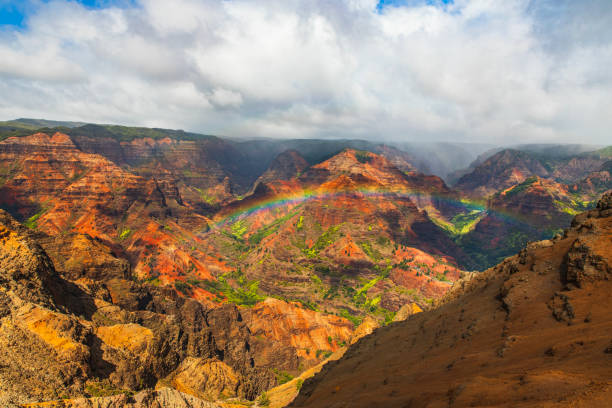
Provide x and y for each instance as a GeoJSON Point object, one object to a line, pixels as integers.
{"type": "Point", "coordinates": [533, 331]}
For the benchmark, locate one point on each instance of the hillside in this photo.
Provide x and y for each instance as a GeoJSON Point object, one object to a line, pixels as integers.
{"type": "Point", "coordinates": [532, 331]}
{"type": "Point", "coordinates": [500, 171]}
{"type": "Point", "coordinates": [528, 195]}
{"type": "Point", "coordinates": [64, 338]}
{"type": "Point", "coordinates": [508, 167]}
{"type": "Point", "coordinates": [529, 211]}
{"type": "Point", "coordinates": [350, 236]}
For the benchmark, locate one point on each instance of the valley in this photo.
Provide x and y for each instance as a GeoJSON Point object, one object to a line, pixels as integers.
{"type": "Point", "coordinates": [136, 259]}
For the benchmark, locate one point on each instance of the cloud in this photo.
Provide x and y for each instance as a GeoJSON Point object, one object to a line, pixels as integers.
{"type": "Point", "coordinates": [500, 71]}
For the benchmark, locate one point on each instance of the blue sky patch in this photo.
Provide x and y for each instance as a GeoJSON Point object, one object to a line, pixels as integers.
{"type": "Point", "coordinates": [14, 13]}
{"type": "Point", "coordinates": [382, 4]}
{"type": "Point", "coordinates": [11, 15]}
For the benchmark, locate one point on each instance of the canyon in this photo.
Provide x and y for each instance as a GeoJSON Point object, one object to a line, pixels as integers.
{"type": "Point", "coordinates": [531, 331]}
{"type": "Point", "coordinates": [149, 266]}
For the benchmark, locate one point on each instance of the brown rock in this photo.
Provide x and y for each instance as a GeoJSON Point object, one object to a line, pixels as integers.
{"type": "Point", "coordinates": [207, 379]}
{"type": "Point", "coordinates": [450, 356]}
{"type": "Point", "coordinates": [406, 311]}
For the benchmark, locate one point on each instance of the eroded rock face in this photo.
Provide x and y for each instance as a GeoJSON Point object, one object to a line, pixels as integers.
{"type": "Point", "coordinates": [41, 349]}
{"type": "Point", "coordinates": [500, 171]}
{"type": "Point", "coordinates": [277, 326]}
{"type": "Point", "coordinates": [58, 337]}
{"type": "Point", "coordinates": [514, 335]}
{"type": "Point", "coordinates": [78, 256]}
{"type": "Point", "coordinates": [584, 262]}
{"type": "Point", "coordinates": [208, 379]}
{"type": "Point", "coordinates": [24, 267]}
{"type": "Point", "coordinates": [584, 265]}
{"type": "Point", "coordinates": [406, 311]}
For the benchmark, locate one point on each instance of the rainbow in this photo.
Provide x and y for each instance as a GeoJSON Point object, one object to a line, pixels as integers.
{"type": "Point", "coordinates": [302, 196]}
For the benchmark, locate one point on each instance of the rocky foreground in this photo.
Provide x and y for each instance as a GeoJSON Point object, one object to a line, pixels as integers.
{"type": "Point", "coordinates": [61, 339]}
{"type": "Point", "coordinates": [534, 331]}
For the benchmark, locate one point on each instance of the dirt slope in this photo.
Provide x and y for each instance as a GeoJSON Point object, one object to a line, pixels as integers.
{"type": "Point", "coordinates": [534, 331]}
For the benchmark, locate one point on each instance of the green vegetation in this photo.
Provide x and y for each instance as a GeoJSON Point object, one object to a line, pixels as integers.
{"type": "Point", "coordinates": [363, 156]}
{"type": "Point", "coordinates": [315, 279]}
{"type": "Point", "coordinates": [205, 197]}
{"type": "Point", "coordinates": [32, 222]}
{"type": "Point", "coordinates": [521, 187]}
{"type": "Point", "coordinates": [246, 294]}
{"type": "Point", "coordinates": [361, 294]}
{"type": "Point", "coordinates": [605, 152]}
{"type": "Point", "coordinates": [564, 207]}
{"type": "Point", "coordinates": [370, 251]}
{"type": "Point", "coordinates": [25, 127]}
{"type": "Point", "coordinates": [461, 223]}
{"type": "Point", "coordinates": [125, 233]}
{"type": "Point", "coordinates": [299, 383]}
{"type": "Point", "coordinates": [182, 287]}
{"type": "Point", "coordinates": [126, 134]}
{"type": "Point", "coordinates": [404, 264]}
{"type": "Point", "coordinates": [574, 206]}
{"type": "Point", "coordinates": [264, 400]}
{"type": "Point", "coordinates": [356, 320]}
{"type": "Point", "coordinates": [282, 377]}
{"type": "Point", "coordinates": [442, 277]}
{"type": "Point", "coordinates": [464, 223]}
{"type": "Point", "coordinates": [269, 229]}
{"type": "Point", "coordinates": [510, 243]}
{"type": "Point", "coordinates": [16, 128]}
{"type": "Point", "coordinates": [238, 229]}
{"type": "Point", "coordinates": [300, 223]}
{"type": "Point", "coordinates": [326, 239]}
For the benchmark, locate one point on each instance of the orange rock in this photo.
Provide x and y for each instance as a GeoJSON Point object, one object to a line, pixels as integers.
{"type": "Point", "coordinates": [131, 337]}
{"type": "Point", "coordinates": [305, 330]}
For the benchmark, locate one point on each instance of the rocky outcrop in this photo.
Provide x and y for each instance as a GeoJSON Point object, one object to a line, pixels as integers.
{"type": "Point", "coordinates": [25, 269]}
{"type": "Point", "coordinates": [78, 256]}
{"type": "Point", "coordinates": [161, 398]}
{"type": "Point", "coordinates": [518, 334]}
{"type": "Point", "coordinates": [69, 194]}
{"type": "Point", "coordinates": [58, 337]}
{"type": "Point", "coordinates": [300, 336]}
{"type": "Point", "coordinates": [406, 311]}
{"type": "Point", "coordinates": [42, 349]}
{"type": "Point", "coordinates": [208, 379]}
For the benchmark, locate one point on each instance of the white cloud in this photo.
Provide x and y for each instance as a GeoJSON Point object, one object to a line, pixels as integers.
{"type": "Point", "coordinates": [500, 71]}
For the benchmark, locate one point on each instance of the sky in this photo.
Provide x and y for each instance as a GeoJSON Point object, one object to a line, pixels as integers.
{"type": "Point", "coordinates": [487, 71]}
